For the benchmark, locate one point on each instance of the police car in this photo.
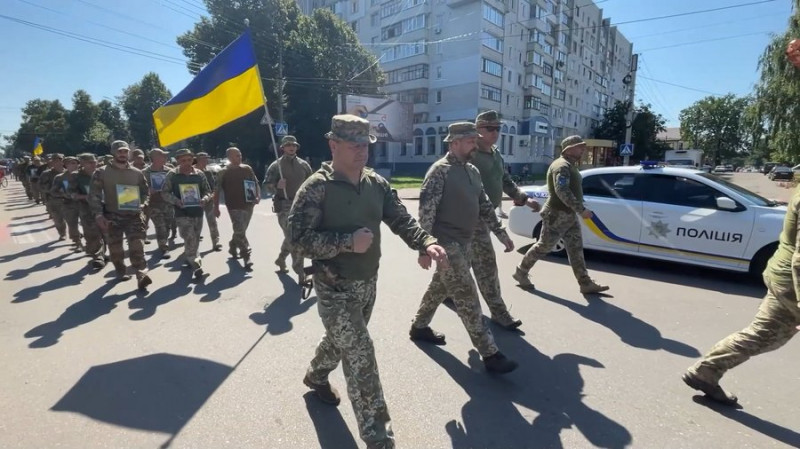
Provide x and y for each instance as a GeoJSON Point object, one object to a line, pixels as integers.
{"type": "Point", "coordinates": [676, 214]}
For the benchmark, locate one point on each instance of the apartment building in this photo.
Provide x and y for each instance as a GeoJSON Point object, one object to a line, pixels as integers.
{"type": "Point", "coordinates": [550, 67]}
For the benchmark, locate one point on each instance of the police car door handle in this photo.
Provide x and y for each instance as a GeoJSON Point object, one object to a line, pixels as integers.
{"type": "Point", "coordinates": [656, 214]}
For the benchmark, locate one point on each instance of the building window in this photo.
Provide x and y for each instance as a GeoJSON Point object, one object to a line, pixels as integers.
{"type": "Point", "coordinates": [495, 43]}
{"type": "Point", "coordinates": [491, 93]}
{"type": "Point", "coordinates": [510, 145]}
{"type": "Point", "coordinates": [375, 19]}
{"type": "Point", "coordinates": [420, 117]}
{"type": "Point", "coordinates": [493, 15]}
{"type": "Point", "coordinates": [381, 147]}
{"type": "Point", "coordinates": [439, 72]}
{"type": "Point", "coordinates": [354, 6]}
{"type": "Point", "coordinates": [492, 68]}
{"type": "Point", "coordinates": [414, 72]}
{"type": "Point", "coordinates": [562, 57]}
{"type": "Point", "coordinates": [558, 75]}
{"type": "Point", "coordinates": [532, 102]}
{"type": "Point", "coordinates": [416, 96]}
{"type": "Point", "coordinates": [403, 149]}
{"type": "Point", "coordinates": [438, 96]}
{"type": "Point", "coordinates": [354, 25]}
{"type": "Point", "coordinates": [430, 137]}
{"type": "Point", "coordinates": [548, 69]}
{"type": "Point", "coordinates": [503, 145]}
{"type": "Point", "coordinates": [561, 94]}
{"type": "Point", "coordinates": [547, 89]}
{"type": "Point", "coordinates": [418, 146]}
{"type": "Point", "coordinates": [403, 51]}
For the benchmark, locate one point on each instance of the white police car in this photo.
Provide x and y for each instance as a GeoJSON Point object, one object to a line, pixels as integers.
{"type": "Point", "coordinates": [668, 213]}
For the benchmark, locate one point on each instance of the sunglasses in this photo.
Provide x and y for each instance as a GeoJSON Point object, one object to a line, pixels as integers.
{"type": "Point", "coordinates": [491, 129]}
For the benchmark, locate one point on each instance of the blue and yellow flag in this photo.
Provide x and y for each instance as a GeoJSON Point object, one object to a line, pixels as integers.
{"type": "Point", "coordinates": [37, 147]}
{"type": "Point", "coordinates": [228, 88]}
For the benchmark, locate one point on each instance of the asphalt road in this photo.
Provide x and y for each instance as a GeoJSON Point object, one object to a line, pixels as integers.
{"type": "Point", "coordinates": [87, 363]}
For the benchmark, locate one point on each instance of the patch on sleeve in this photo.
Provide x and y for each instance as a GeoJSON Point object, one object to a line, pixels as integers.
{"type": "Point", "coordinates": [562, 180]}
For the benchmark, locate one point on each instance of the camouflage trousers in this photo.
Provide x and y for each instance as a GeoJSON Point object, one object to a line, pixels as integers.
{"type": "Point", "coordinates": [456, 282]}
{"type": "Point", "coordinates": [71, 214]}
{"type": "Point", "coordinates": [36, 192]}
{"type": "Point", "coordinates": [240, 219]}
{"type": "Point", "coordinates": [190, 229]}
{"type": "Point", "coordinates": [161, 214]}
{"type": "Point", "coordinates": [345, 308]}
{"type": "Point", "coordinates": [208, 210]}
{"type": "Point", "coordinates": [95, 245]}
{"type": "Point", "coordinates": [132, 227]}
{"type": "Point", "coordinates": [484, 266]}
{"type": "Point", "coordinates": [56, 209]}
{"type": "Point", "coordinates": [557, 225]}
{"type": "Point", "coordinates": [27, 184]}
{"type": "Point", "coordinates": [773, 326]}
{"type": "Point", "coordinates": [286, 246]}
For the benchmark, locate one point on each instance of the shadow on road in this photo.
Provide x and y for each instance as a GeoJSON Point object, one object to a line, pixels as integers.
{"type": "Point", "coordinates": [43, 248]}
{"type": "Point", "coordinates": [490, 418]}
{"type": "Point", "coordinates": [629, 329]}
{"type": "Point", "coordinates": [155, 393]}
{"type": "Point", "coordinates": [278, 314]}
{"type": "Point", "coordinates": [26, 223]}
{"type": "Point", "coordinates": [23, 217]}
{"type": "Point", "coordinates": [212, 291]}
{"type": "Point", "coordinates": [49, 264]}
{"type": "Point", "coordinates": [772, 430]}
{"type": "Point", "coordinates": [95, 305]}
{"type": "Point", "coordinates": [146, 304]}
{"type": "Point", "coordinates": [727, 282]}
{"type": "Point", "coordinates": [332, 431]}
{"type": "Point", "coordinates": [33, 292]}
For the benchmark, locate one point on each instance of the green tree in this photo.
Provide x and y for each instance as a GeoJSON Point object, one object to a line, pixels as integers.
{"type": "Point", "coordinates": [715, 125]}
{"type": "Point", "coordinates": [111, 117]}
{"type": "Point", "coordinates": [81, 119]}
{"type": "Point", "coordinates": [139, 101]}
{"type": "Point", "coordinates": [46, 119]}
{"type": "Point", "coordinates": [645, 127]}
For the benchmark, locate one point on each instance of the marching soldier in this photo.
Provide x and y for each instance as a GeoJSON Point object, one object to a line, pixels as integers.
{"type": "Point", "coordinates": [24, 176]}
{"type": "Point", "coordinates": [137, 159]}
{"type": "Point", "coordinates": [284, 178]}
{"type": "Point", "coordinates": [54, 204]}
{"type": "Point", "coordinates": [239, 184]}
{"type": "Point", "coordinates": [35, 170]}
{"type": "Point", "coordinates": [69, 210]}
{"type": "Point", "coordinates": [336, 221]}
{"type": "Point", "coordinates": [451, 205]}
{"type": "Point", "coordinates": [79, 188]}
{"type": "Point", "coordinates": [117, 196]}
{"type": "Point", "coordinates": [158, 210]}
{"type": "Point", "coordinates": [187, 189]}
{"type": "Point", "coordinates": [201, 163]}
{"type": "Point", "coordinates": [560, 218]}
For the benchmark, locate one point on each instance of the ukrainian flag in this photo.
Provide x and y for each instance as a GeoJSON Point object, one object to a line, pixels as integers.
{"type": "Point", "coordinates": [37, 146]}
{"type": "Point", "coordinates": [228, 88]}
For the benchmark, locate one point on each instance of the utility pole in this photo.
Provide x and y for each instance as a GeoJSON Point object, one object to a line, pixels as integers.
{"type": "Point", "coordinates": [630, 79]}
{"type": "Point", "coordinates": [280, 83]}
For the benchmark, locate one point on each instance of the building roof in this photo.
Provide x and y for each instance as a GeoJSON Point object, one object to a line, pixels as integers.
{"type": "Point", "coordinates": [671, 134]}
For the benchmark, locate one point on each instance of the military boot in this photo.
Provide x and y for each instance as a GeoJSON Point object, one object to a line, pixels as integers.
{"type": "Point", "coordinates": [164, 252]}
{"type": "Point", "coordinates": [499, 363]}
{"type": "Point", "coordinates": [324, 392]}
{"type": "Point", "coordinates": [506, 321]}
{"type": "Point", "coordinates": [232, 251]}
{"type": "Point", "coordinates": [143, 281]}
{"type": "Point", "coordinates": [590, 286]}
{"type": "Point", "coordinates": [522, 278]}
{"type": "Point", "coordinates": [281, 263]}
{"type": "Point", "coordinates": [121, 272]}
{"type": "Point", "coordinates": [426, 334]}
{"type": "Point", "coordinates": [712, 390]}
{"type": "Point", "coordinates": [216, 246]}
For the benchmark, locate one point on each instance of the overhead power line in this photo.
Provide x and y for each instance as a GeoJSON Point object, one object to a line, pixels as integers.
{"type": "Point", "coordinates": [682, 87]}
{"type": "Point", "coordinates": [706, 40]}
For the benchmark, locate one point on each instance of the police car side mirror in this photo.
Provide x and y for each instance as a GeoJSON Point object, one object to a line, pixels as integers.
{"type": "Point", "coordinates": [725, 203]}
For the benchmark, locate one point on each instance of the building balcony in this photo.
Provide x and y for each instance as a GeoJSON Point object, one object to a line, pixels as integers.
{"type": "Point", "coordinates": [457, 3]}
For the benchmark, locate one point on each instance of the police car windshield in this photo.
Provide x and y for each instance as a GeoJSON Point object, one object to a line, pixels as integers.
{"type": "Point", "coordinates": [753, 197]}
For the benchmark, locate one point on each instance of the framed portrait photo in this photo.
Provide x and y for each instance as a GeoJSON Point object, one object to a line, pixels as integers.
{"type": "Point", "coordinates": [190, 194]}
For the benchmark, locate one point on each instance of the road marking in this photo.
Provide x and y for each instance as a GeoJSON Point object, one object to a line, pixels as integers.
{"type": "Point", "coordinates": [32, 234]}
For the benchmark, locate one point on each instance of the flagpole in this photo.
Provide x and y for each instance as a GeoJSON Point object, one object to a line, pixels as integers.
{"type": "Point", "coordinates": [269, 118]}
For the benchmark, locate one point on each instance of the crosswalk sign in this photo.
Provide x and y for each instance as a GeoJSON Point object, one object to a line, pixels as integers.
{"type": "Point", "coordinates": [626, 149]}
{"type": "Point", "coordinates": [281, 128]}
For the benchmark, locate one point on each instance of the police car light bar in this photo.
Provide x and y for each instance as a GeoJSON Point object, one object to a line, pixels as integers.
{"type": "Point", "coordinates": [649, 164]}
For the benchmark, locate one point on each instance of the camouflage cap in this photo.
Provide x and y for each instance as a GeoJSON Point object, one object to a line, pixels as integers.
{"type": "Point", "coordinates": [461, 130]}
{"type": "Point", "coordinates": [488, 118]}
{"type": "Point", "coordinates": [58, 156]}
{"type": "Point", "coordinates": [289, 140]}
{"type": "Point", "coordinates": [119, 144]}
{"type": "Point", "coordinates": [571, 141]}
{"type": "Point", "coordinates": [157, 151]}
{"type": "Point", "coordinates": [201, 154]}
{"type": "Point", "coordinates": [350, 128]}
{"type": "Point", "coordinates": [137, 152]}
{"type": "Point", "coordinates": [183, 152]}
{"type": "Point", "coordinates": [70, 159]}
{"type": "Point", "coordinates": [87, 157]}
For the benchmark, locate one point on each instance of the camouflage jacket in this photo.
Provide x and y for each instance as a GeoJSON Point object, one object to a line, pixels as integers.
{"type": "Point", "coordinates": [46, 181]}
{"type": "Point", "coordinates": [103, 196]}
{"type": "Point", "coordinates": [60, 187]}
{"type": "Point", "coordinates": [564, 186]}
{"type": "Point", "coordinates": [495, 178]}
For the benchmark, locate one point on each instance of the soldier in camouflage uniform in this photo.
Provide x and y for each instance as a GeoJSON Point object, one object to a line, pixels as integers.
{"type": "Point", "coordinates": [451, 205]}
{"type": "Point", "coordinates": [138, 159]}
{"type": "Point", "coordinates": [496, 180]}
{"type": "Point", "coordinates": [54, 204]}
{"type": "Point", "coordinates": [560, 218]}
{"type": "Point", "coordinates": [125, 192]}
{"type": "Point", "coordinates": [24, 176]}
{"type": "Point", "coordinates": [239, 202]}
{"type": "Point", "coordinates": [284, 177]}
{"type": "Point", "coordinates": [69, 209]}
{"type": "Point", "coordinates": [329, 224]}
{"type": "Point", "coordinates": [178, 188]}
{"type": "Point", "coordinates": [35, 170]}
{"type": "Point", "coordinates": [201, 163]}
{"type": "Point", "coordinates": [159, 211]}
{"type": "Point", "coordinates": [79, 186]}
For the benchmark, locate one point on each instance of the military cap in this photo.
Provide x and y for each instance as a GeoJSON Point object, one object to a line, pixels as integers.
{"type": "Point", "coordinates": [460, 130]}
{"type": "Point", "coordinates": [70, 159]}
{"type": "Point", "coordinates": [571, 141]}
{"type": "Point", "coordinates": [183, 152]}
{"type": "Point", "coordinates": [118, 144]}
{"type": "Point", "coordinates": [137, 152]}
{"type": "Point", "coordinates": [55, 156]}
{"type": "Point", "coordinates": [157, 151]}
{"type": "Point", "coordinates": [488, 118]}
{"type": "Point", "coordinates": [289, 140]}
{"type": "Point", "coordinates": [87, 157]}
{"type": "Point", "coordinates": [350, 128]}
{"type": "Point", "coordinates": [37, 158]}
{"type": "Point", "coordinates": [201, 154]}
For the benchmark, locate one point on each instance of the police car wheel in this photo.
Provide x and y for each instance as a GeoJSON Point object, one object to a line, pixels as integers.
{"type": "Point", "coordinates": [560, 250]}
{"type": "Point", "coordinates": [759, 262]}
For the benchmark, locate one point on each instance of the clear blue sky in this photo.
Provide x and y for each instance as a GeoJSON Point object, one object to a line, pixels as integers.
{"type": "Point", "coordinates": [40, 64]}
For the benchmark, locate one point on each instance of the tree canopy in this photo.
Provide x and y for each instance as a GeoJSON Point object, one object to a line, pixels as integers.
{"type": "Point", "coordinates": [645, 127]}
{"type": "Point", "coordinates": [716, 126]}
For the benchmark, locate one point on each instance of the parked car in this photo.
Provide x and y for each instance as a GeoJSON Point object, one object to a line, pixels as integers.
{"type": "Point", "coordinates": [781, 172]}
{"type": "Point", "coordinates": [768, 166]}
{"type": "Point", "coordinates": [723, 169]}
{"type": "Point", "coordinates": [667, 213]}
